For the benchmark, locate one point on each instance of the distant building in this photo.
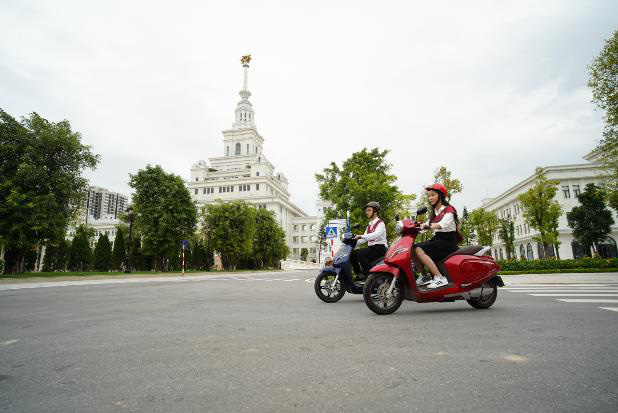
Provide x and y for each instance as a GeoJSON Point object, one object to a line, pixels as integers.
{"type": "Point", "coordinates": [102, 203]}
{"type": "Point", "coordinates": [573, 179]}
{"type": "Point", "coordinates": [244, 173]}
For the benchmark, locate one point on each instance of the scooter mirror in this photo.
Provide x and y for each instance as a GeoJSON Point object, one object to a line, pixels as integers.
{"type": "Point", "coordinates": [396, 217]}
{"type": "Point", "coordinates": [421, 211]}
{"type": "Point", "coordinates": [356, 226]}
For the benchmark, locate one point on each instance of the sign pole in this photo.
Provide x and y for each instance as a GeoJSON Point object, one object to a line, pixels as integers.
{"type": "Point", "coordinates": [183, 260]}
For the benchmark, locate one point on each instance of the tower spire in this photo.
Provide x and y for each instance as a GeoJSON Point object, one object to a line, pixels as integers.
{"type": "Point", "coordinates": [244, 111]}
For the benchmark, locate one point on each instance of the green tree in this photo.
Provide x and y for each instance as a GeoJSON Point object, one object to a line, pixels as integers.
{"type": "Point", "coordinates": [80, 253]}
{"type": "Point", "coordinates": [363, 177]}
{"type": "Point", "coordinates": [56, 256]}
{"type": "Point", "coordinates": [41, 186]}
{"type": "Point", "coordinates": [507, 234]}
{"type": "Point", "coordinates": [230, 228]}
{"type": "Point", "coordinates": [103, 254]}
{"type": "Point", "coordinates": [541, 211]}
{"type": "Point", "coordinates": [303, 254]}
{"type": "Point", "coordinates": [321, 242]}
{"type": "Point", "coordinates": [591, 221]}
{"type": "Point", "coordinates": [485, 225]}
{"type": "Point", "coordinates": [119, 252]}
{"type": "Point", "coordinates": [269, 243]}
{"type": "Point", "coordinates": [164, 212]}
{"type": "Point", "coordinates": [466, 229]}
{"type": "Point", "coordinates": [604, 84]}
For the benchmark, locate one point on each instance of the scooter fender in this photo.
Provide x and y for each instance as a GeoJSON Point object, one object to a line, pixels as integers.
{"type": "Point", "coordinates": [386, 268]}
{"type": "Point", "coordinates": [334, 270]}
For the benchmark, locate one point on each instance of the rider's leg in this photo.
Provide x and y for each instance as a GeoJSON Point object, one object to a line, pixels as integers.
{"type": "Point", "coordinates": [417, 263]}
{"type": "Point", "coordinates": [426, 259]}
{"type": "Point", "coordinates": [355, 263]}
{"type": "Point", "coordinates": [370, 254]}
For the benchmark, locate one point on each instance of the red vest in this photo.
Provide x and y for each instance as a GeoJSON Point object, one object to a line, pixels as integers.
{"type": "Point", "coordinates": [371, 229]}
{"type": "Point", "coordinates": [445, 211]}
{"type": "Point", "coordinates": [439, 217]}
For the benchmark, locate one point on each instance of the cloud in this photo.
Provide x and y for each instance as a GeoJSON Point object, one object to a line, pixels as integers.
{"type": "Point", "coordinates": [488, 89]}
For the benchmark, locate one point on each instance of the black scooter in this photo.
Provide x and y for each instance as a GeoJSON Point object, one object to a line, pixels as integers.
{"type": "Point", "coordinates": [336, 277]}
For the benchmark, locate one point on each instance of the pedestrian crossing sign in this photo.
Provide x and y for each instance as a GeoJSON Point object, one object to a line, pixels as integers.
{"type": "Point", "coordinates": [331, 232]}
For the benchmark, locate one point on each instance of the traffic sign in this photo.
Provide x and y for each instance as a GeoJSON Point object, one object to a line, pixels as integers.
{"type": "Point", "coordinates": [331, 232]}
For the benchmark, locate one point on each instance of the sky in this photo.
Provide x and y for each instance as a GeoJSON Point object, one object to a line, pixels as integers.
{"type": "Point", "coordinates": [488, 89]}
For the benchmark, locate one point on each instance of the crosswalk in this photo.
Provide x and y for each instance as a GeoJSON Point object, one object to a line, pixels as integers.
{"type": "Point", "coordinates": [604, 296]}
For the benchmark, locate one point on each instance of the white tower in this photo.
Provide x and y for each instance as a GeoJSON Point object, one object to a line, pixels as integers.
{"type": "Point", "coordinates": [244, 112]}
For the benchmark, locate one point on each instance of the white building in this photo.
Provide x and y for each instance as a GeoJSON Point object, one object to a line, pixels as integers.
{"type": "Point", "coordinates": [573, 179]}
{"type": "Point", "coordinates": [244, 173]}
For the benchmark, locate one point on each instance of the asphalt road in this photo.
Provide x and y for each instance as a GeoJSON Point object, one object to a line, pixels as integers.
{"type": "Point", "coordinates": [264, 342]}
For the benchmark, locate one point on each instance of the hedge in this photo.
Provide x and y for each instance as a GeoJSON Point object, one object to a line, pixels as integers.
{"type": "Point", "coordinates": [601, 264]}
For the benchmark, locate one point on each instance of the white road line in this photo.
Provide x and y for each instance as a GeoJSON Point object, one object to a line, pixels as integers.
{"type": "Point", "coordinates": [550, 290]}
{"type": "Point", "coordinates": [574, 295]}
{"type": "Point", "coordinates": [609, 308]}
{"type": "Point", "coordinates": [559, 285]}
{"type": "Point", "coordinates": [586, 300]}
{"type": "Point", "coordinates": [6, 343]}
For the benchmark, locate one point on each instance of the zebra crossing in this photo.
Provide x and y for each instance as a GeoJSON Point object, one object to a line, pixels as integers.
{"type": "Point", "coordinates": [604, 296]}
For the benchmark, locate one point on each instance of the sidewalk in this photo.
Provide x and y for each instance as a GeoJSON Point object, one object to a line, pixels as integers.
{"type": "Point", "coordinates": [562, 278]}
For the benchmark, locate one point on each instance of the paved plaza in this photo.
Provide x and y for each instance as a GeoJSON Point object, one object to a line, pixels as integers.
{"type": "Point", "coordinates": [264, 342]}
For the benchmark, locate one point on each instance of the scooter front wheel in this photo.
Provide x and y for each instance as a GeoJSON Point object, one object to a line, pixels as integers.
{"type": "Point", "coordinates": [326, 289]}
{"type": "Point", "coordinates": [376, 293]}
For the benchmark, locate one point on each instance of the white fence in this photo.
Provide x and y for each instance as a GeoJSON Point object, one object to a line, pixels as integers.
{"type": "Point", "coordinates": [299, 265]}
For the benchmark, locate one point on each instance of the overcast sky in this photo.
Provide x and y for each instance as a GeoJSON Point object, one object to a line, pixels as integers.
{"type": "Point", "coordinates": [490, 89]}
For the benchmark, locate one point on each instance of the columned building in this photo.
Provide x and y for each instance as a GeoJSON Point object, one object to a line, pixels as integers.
{"type": "Point", "coordinates": [573, 180]}
{"type": "Point", "coordinates": [243, 172]}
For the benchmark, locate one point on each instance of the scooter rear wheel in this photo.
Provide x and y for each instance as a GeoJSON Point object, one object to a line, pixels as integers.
{"type": "Point", "coordinates": [489, 294]}
{"type": "Point", "coordinates": [326, 290]}
{"type": "Point", "coordinates": [376, 295]}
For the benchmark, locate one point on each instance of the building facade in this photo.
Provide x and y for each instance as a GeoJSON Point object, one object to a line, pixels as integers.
{"type": "Point", "coordinates": [573, 180]}
{"type": "Point", "coordinates": [243, 172]}
{"type": "Point", "coordinates": [101, 203]}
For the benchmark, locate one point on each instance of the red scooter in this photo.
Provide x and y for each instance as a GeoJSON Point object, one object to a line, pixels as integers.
{"type": "Point", "coordinates": [472, 275]}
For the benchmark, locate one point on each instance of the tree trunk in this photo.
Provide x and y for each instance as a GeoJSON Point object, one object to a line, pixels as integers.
{"type": "Point", "coordinates": [557, 252]}
{"type": "Point", "coordinates": [38, 258]}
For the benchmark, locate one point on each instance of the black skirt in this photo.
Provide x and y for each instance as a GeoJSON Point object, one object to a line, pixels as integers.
{"type": "Point", "coordinates": [440, 246]}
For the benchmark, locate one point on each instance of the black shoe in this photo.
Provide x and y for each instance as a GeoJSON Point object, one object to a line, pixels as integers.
{"type": "Point", "coordinates": [361, 278]}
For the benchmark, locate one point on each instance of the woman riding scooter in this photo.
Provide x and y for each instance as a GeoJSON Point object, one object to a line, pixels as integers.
{"type": "Point", "coordinates": [443, 221]}
{"type": "Point", "coordinates": [375, 236]}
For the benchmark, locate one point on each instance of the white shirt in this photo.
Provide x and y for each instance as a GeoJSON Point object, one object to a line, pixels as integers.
{"type": "Point", "coordinates": [376, 237]}
{"type": "Point", "coordinates": [447, 223]}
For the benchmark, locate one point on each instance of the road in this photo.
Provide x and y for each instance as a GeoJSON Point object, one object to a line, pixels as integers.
{"type": "Point", "coordinates": [264, 343]}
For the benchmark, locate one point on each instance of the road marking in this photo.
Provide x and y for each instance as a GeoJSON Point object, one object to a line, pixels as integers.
{"type": "Point", "coordinates": [516, 358]}
{"type": "Point", "coordinates": [6, 343]}
{"type": "Point", "coordinates": [559, 285]}
{"type": "Point", "coordinates": [609, 308]}
{"type": "Point", "coordinates": [574, 295]}
{"type": "Point", "coordinates": [587, 300]}
{"type": "Point", "coordinates": [551, 290]}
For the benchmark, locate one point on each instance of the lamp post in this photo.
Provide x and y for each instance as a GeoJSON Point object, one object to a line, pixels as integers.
{"type": "Point", "coordinates": [130, 216]}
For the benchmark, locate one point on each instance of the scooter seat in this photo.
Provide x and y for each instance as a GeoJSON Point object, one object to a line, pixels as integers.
{"type": "Point", "coordinates": [465, 250]}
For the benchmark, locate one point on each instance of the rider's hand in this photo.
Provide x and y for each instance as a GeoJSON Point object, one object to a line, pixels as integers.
{"type": "Point", "coordinates": [424, 226]}
{"type": "Point", "coordinates": [358, 237]}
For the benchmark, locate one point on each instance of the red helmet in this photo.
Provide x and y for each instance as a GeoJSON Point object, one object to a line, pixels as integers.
{"type": "Point", "coordinates": [438, 187]}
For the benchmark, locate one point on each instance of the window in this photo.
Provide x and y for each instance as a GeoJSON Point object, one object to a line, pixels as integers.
{"type": "Point", "coordinates": [219, 189]}
{"type": "Point", "coordinates": [247, 149]}
{"type": "Point", "coordinates": [304, 227]}
{"type": "Point", "coordinates": [295, 240]}
{"type": "Point", "coordinates": [575, 191]}
{"type": "Point", "coordinates": [295, 227]}
{"type": "Point", "coordinates": [204, 190]}
{"type": "Point", "coordinates": [196, 179]}
{"type": "Point", "coordinates": [248, 187]}
{"type": "Point", "coordinates": [195, 191]}
{"type": "Point", "coordinates": [257, 187]}
{"type": "Point", "coordinates": [227, 151]}
{"type": "Point", "coordinates": [522, 252]}
{"type": "Point", "coordinates": [312, 227]}
{"type": "Point", "coordinates": [529, 252]}
{"type": "Point", "coordinates": [565, 191]}
{"type": "Point", "coordinates": [257, 173]}
{"type": "Point", "coordinates": [238, 149]}
{"type": "Point", "coordinates": [303, 238]}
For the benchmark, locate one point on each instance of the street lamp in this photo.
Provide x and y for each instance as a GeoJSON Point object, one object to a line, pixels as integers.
{"type": "Point", "coordinates": [130, 216]}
